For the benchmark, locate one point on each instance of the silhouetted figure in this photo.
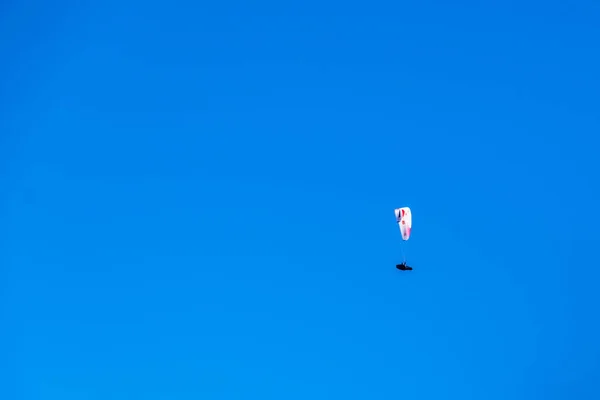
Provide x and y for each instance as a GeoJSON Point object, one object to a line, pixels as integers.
{"type": "Point", "coordinates": [403, 267]}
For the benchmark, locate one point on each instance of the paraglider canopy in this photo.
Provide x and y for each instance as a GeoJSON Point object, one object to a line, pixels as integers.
{"type": "Point", "coordinates": [404, 220]}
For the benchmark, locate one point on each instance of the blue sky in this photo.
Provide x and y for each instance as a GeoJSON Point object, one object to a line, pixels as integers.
{"type": "Point", "coordinates": [197, 200]}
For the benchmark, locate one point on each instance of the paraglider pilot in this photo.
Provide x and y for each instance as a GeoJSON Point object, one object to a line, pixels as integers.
{"type": "Point", "coordinates": [403, 267]}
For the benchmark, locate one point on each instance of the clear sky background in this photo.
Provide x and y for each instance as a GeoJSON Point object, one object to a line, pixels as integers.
{"type": "Point", "coordinates": [197, 200]}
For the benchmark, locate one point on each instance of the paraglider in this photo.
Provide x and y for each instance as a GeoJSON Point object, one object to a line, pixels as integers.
{"type": "Point", "coordinates": [404, 220]}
